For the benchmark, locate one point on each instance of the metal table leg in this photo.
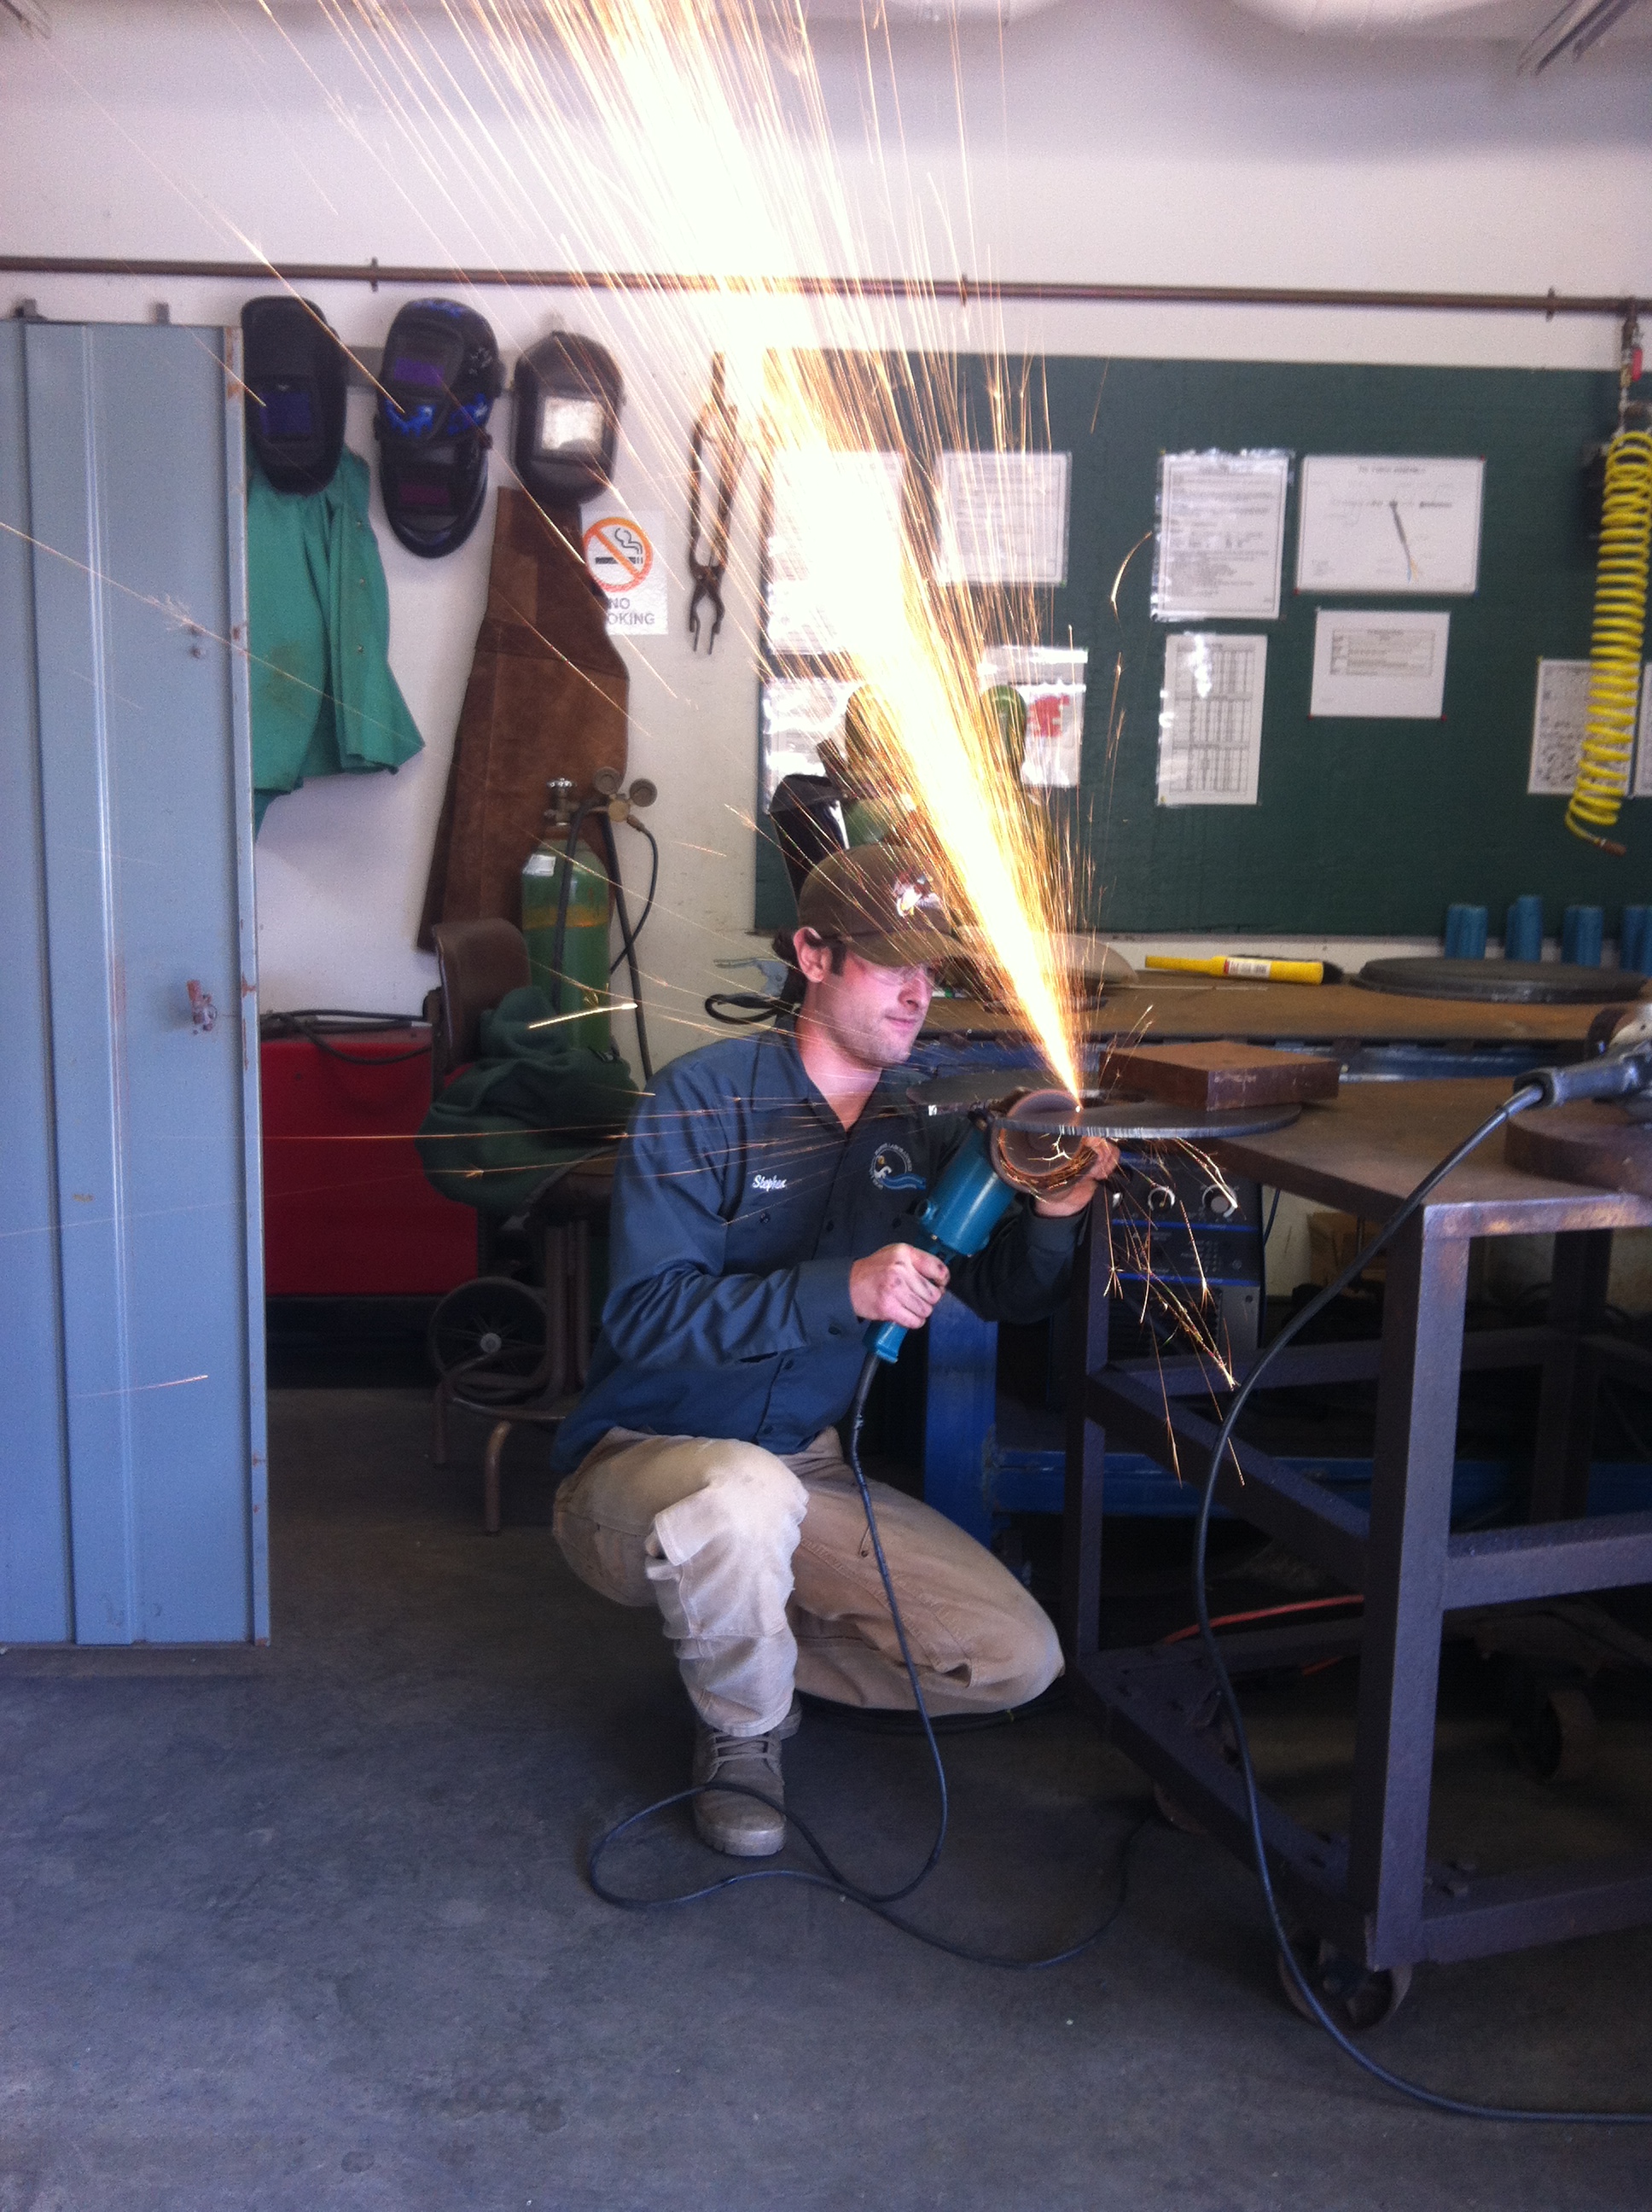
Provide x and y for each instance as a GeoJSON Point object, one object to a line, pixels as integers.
{"type": "Point", "coordinates": [1081, 1508]}
{"type": "Point", "coordinates": [1565, 1420]}
{"type": "Point", "coordinates": [1405, 1585]}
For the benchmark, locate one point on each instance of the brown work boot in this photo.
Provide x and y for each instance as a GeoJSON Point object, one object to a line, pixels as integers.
{"type": "Point", "coordinates": [737, 1823]}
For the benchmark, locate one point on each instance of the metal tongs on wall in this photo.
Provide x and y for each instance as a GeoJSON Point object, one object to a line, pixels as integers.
{"type": "Point", "coordinates": [719, 422]}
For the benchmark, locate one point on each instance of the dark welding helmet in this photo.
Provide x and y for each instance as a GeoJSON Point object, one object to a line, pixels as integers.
{"type": "Point", "coordinates": [293, 369]}
{"type": "Point", "coordinates": [568, 401]}
{"type": "Point", "coordinates": [438, 381]}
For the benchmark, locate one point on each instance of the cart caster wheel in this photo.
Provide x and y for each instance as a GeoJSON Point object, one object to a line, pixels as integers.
{"type": "Point", "coordinates": [494, 1319]}
{"type": "Point", "coordinates": [1176, 1815]}
{"type": "Point", "coordinates": [1555, 1738]}
{"type": "Point", "coordinates": [1357, 1997]}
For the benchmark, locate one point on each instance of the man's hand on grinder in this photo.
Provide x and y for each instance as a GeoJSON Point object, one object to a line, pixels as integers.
{"type": "Point", "coordinates": [1078, 1195]}
{"type": "Point", "coordinates": [899, 1283]}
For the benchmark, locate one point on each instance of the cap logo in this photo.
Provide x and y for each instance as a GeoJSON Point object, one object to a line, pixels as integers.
{"type": "Point", "coordinates": [912, 895]}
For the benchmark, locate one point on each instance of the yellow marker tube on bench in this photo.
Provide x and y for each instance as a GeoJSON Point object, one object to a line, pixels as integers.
{"type": "Point", "coordinates": [1253, 970]}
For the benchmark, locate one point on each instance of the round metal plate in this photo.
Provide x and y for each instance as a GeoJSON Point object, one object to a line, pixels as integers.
{"type": "Point", "coordinates": [1501, 982]}
{"type": "Point", "coordinates": [1594, 1142]}
{"type": "Point", "coordinates": [1123, 1117]}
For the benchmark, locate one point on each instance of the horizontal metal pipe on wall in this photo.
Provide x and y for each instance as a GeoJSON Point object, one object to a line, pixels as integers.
{"type": "Point", "coordinates": [961, 289]}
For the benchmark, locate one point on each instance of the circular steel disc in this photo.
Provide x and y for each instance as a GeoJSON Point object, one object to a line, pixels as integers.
{"type": "Point", "coordinates": [1501, 982]}
{"type": "Point", "coordinates": [1123, 1117]}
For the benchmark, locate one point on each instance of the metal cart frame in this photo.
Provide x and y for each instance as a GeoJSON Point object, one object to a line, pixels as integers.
{"type": "Point", "coordinates": [1375, 1894]}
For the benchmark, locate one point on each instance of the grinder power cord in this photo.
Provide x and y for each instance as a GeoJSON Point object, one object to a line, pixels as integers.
{"type": "Point", "coordinates": [998, 1159]}
{"type": "Point", "coordinates": [880, 1902]}
{"type": "Point", "coordinates": [1624, 1071]}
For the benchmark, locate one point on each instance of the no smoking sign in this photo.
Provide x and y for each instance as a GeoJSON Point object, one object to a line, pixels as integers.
{"type": "Point", "coordinates": [622, 556]}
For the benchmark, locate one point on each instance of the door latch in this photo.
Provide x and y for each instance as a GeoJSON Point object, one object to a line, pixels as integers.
{"type": "Point", "coordinates": [202, 1012]}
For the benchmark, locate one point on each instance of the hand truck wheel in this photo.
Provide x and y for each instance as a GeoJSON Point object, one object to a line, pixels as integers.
{"type": "Point", "coordinates": [495, 1323]}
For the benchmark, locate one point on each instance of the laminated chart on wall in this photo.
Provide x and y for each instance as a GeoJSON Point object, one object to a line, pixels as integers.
{"type": "Point", "coordinates": [1051, 679]}
{"type": "Point", "coordinates": [1377, 523]}
{"type": "Point", "coordinates": [797, 714]}
{"type": "Point", "coordinates": [1002, 518]}
{"type": "Point", "coordinates": [833, 581]}
{"type": "Point", "coordinates": [1220, 544]}
{"type": "Point", "coordinates": [1559, 719]}
{"type": "Point", "coordinates": [1641, 782]}
{"type": "Point", "coordinates": [1371, 666]}
{"type": "Point", "coordinates": [1210, 741]}
{"type": "Point", "coordinates": [832, 584]}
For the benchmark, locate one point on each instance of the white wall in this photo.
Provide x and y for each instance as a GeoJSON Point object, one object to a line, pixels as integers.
{"type": "Point", "coordinates": [1106, 141]}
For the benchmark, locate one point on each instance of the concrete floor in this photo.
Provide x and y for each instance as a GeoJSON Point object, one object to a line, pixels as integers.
{"type": "Point", "coordinates": [310, 1928]}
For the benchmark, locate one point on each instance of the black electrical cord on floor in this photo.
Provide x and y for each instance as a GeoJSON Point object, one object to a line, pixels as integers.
{"type": "Point", "coordinates": [880, 1902]}
{"type": "Point", "coordinates": [1417, 2091]}
{"type": "Point", "coordinates": [627, 939]}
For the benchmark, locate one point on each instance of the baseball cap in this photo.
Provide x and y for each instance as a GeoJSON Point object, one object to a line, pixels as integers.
{"type": "Point", "coordinates": [883, 903]}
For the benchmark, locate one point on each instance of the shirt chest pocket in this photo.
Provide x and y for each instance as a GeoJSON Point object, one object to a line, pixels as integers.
{"type": "Point", "coordinates": [765, 1236]}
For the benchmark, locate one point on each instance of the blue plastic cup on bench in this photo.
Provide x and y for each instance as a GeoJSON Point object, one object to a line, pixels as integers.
{"type": "Point", "coordinates": [1632, 946]}
{"type": "Point", "coordinates": [1582, 931]}
{"type": "Point", "coordinates": [1465, 933]}
{"type": "Point", "coordinates": [1522, 935]}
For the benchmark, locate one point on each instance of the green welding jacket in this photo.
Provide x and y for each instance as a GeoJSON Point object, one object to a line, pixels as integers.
{"type": "Point", "coordinates": [324, 700]}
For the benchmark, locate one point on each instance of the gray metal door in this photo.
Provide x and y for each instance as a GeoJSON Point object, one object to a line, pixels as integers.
{"type": "Point", "coordinates": [131, 1452]}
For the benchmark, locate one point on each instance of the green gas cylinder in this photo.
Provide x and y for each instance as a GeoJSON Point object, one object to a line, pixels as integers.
{"type": "Point", "coordinates": [577, 984]}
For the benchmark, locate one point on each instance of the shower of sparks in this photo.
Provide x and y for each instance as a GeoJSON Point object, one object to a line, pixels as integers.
{"type": "Point", "coordinates": [693, 135]}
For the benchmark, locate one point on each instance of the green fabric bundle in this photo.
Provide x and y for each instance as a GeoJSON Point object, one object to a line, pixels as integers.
{"type": "Point", "coordinates": [531, 1103]}
{"type": "Point", "coordinates": [324, 700]}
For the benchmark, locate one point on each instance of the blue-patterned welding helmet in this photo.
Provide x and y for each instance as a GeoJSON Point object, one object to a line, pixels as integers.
{"type": "Point", "coordinates": [440, 378]}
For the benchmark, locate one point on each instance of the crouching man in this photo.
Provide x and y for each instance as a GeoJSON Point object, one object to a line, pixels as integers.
{"type": "Point", "coordinates": [763, 1207]}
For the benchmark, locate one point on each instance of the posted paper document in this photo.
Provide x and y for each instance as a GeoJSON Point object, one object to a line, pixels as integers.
{"type": "Point", "coordinates": [1558, 719]}
{"type": "Point", "coordinates": [833, 589]}
{"type": "Point", "coordinates": [1370, 524]}
{"type": "Point", "coordinates": [1220, 546]}
{"type": "Point", "coordinates": [1051, 680]}
{"type": "Point", "coordinates": [1369, 665]}
{"type": "Point", "coordinates": [1209, 730]}
{"type": "Point", "coordinates": [1002, 518]}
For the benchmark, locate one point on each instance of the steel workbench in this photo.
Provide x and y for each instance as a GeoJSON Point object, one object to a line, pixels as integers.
{"type": "Point", "coordinates": [1375, 1894]}
{"type": "Point", "coordinates": [972, 1473]}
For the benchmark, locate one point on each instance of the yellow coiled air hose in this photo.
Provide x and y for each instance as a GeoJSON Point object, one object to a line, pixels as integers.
{"type": "Point", "coordinates": [1615, 648]}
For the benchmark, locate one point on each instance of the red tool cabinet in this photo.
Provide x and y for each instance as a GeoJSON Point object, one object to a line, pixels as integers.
{"type": "Point", "coordinates": [347, 1211]}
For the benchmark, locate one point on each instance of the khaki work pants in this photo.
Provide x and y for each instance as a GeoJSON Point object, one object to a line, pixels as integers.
{"type": "Point", "coordinates": [763, 1573]}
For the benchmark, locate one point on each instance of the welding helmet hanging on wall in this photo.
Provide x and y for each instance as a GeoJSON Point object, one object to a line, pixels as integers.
{"type": "Point", "coordinates": [438, 381]}
{"type": "Point", "coordinates": [294, 369]}
{"type": "Point", "coordinates": [567, 401]}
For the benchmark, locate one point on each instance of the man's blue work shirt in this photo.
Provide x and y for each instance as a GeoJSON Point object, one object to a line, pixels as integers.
{"type": "Point", "coordinates": [740, 1201]}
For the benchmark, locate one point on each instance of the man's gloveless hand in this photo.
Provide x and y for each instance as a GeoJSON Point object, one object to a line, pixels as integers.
{"type": "Point", "coordinates": [899, 1283]}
